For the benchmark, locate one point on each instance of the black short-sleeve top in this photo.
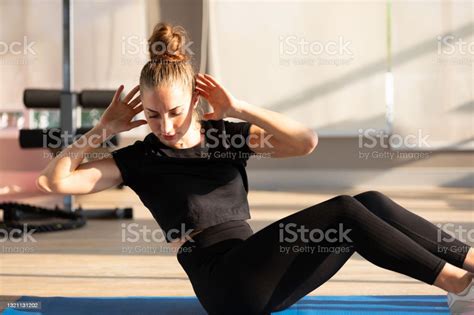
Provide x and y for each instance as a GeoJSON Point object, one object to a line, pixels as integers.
{"type": "Point", "coordinates": [192, 188]}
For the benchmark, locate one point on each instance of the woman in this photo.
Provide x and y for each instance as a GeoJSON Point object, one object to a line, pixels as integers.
{"type": "Point", "coordinates": [190, 172]}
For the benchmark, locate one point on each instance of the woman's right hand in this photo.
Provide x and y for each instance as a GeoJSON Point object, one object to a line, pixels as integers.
{"type": "Point", "coordinates": [118, 115]}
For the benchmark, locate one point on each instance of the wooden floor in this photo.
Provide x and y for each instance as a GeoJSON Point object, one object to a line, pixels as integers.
{"type": "Point", "coordinates": [93, 261]}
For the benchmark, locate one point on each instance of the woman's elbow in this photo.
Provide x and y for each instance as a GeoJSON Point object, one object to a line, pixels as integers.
{"type": "Point", "coordinates": [43, 184]}
{"type": "Point", "coordinates": [311, 142]}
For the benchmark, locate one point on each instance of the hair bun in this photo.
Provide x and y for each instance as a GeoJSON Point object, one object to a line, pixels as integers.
{"type": "Point", "coordinates": [167, 43]}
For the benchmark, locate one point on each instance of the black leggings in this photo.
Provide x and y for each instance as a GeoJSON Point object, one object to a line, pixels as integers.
{"type": "Point", "coordinates": [234, 271]}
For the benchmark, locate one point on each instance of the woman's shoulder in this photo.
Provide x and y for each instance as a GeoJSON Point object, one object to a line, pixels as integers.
{"type": "Point", "coordinates": [132, 150]}
{"type": "Point", "coordinates": [229, 127]}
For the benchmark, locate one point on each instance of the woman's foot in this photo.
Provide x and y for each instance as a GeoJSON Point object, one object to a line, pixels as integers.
{"type": "Point", "coordinates": [453, 279]}
{"type": "Point", "coordinates": [462, 302]}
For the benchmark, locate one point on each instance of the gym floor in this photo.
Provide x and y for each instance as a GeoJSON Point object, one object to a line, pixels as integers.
{"type": "Point", "coordinates": [93, 260]}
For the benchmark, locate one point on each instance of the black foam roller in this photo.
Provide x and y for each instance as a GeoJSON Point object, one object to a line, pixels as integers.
{"type": "Point", "coordinates": [40, 138]}
{"type": "Point", "coordinates": [96, 98]}
{"type": "Point", "coordinates": [51, 138]}
{"type": "Point", "coordinates": [36, 98]}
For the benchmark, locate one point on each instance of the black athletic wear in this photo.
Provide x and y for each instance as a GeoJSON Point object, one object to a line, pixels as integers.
{"type": "Point", "coordinates": [236, 271]}
{"type": "Point", "coordinates": [191, 188]}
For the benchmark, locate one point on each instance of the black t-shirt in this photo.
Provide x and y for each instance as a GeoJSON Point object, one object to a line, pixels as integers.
{"type": "Point", "coordinates": [192, 188]}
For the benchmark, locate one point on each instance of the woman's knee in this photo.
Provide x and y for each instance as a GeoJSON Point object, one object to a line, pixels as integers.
{"type": "Point", "coordinates": [346, 204]}
{"type": "Point", "coordinates": [374, 200]}
{"type": "Point", "coordinates": [370, 194]}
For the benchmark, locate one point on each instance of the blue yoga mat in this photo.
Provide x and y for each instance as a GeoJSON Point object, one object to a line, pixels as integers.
{"type": "Point", "coordinates": [347, 305]}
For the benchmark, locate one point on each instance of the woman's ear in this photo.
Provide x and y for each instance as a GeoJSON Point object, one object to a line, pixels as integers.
{"type": "Point", "coordinates": [195, 98]}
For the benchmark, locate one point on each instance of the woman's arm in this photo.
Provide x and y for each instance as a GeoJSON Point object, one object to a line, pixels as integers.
{"type": "Point", "coordinates": [270, 132]}
{"type": "Point", "coordinates": [66, 175]}
{"type": "Point", "coordinates": [274, 133]}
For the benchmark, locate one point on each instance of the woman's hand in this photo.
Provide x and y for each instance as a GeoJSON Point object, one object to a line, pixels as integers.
{"type": "Point", "coordinates": [118, 115]}
{"type": "Point", "coordinates": [222, 102]}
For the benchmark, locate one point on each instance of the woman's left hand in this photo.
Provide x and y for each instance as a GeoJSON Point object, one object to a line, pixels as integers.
{"type": "Point", "coordinates": [222, 102]}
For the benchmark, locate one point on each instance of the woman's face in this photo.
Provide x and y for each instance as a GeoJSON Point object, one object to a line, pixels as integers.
{"type": "Point", "coordinates": [169, 111]}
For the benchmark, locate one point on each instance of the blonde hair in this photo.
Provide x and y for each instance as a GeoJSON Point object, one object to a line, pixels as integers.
{"type": "Point", "coordinates": [169, 62]}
